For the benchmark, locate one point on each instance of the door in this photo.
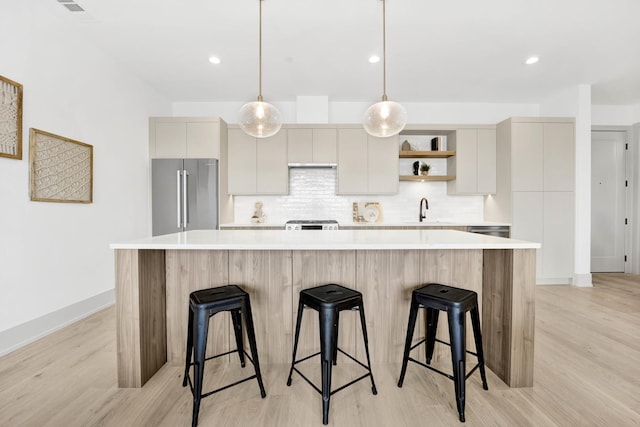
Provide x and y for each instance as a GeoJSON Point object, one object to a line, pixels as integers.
{"type": "Point", "coordinates": [202, 194]}
{"type": "Point", "coordinates": [607, 201]}
{"type": "Point", "coordinates": [165, 196]}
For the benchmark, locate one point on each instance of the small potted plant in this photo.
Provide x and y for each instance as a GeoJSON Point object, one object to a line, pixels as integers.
{"type": "Point", "coordinates": [424, 169]}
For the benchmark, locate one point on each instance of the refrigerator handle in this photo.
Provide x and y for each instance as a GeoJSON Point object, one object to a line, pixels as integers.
{"type": "Point", "coordinates": [178, 199]}
{"type": "Point", "coordinates": [185, 199]}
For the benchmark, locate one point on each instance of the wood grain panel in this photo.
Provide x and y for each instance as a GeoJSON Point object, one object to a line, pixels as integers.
{"type": "Point", "coordinates": [509, 314]}
{"type": "Point", "coordinates": [140, 315]}
{"type": "Point", "coordinates": [189, 271]}
{"type": "Point", "coordinates": [496, 314]}
{"type": "Point", "coordinates": [461, 268]}
{"type": "Point", "coordinates": [266, 276]}
{"type": "Point", "coordinates": [523, 313]}
{"type": "Point", "coordinates": [316, 268]}
{"type": "Point", "coordinates": [386, 280]}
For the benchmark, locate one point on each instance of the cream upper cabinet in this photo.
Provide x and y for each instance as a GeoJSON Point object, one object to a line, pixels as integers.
{"type": "Point", "coordinates": [257, 165]}
{"type": "Point", "coordinates": [559, 157]}
{"type": "Point", "coordinates": [300, 145]}
{"type": "Point", "coordinates": [474, 164]}
{"type": "Point", "coordinates": [366, 164]}
{"type": "Point", "coordinates": [382, 165]}
{"type": "Point", "coordinates": [184, 137]}
{"type": "Point", "coordinates": [317, 145]}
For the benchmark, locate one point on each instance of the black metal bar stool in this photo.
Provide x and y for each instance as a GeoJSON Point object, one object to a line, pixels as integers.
{"type": "Point", "coordinates": [456, 302]}
{"type": "Point", "coordinates": [328, 301]}
{"type": "Point", "coordinates": [202, 305]}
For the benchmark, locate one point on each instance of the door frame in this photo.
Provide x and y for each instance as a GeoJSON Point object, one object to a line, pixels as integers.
{"type": "Point", "coordinates": [630, 212]}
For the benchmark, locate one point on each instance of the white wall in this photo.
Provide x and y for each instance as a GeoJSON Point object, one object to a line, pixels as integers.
{"type": "Point", "coordinates": [353, 112]}
{"type": "Point", "coordinates": [56, 255]}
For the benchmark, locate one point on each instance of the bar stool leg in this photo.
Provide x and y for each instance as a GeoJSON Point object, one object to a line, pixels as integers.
{"type": "Point", "coordinates": [457, 335]}
{"type": "Point", "coordinates": [327, 319]}
{"type": "Point", "coordinates": [432, 329]}
{"type": "Point", "coordinates": [477, 336]}
{"type": "Point", "coordinates": [335, 338]}
{"type": "Point", "coordinates": [366, 347]}
{"type": "Point", "coordinates": [237, 328]}
{"type": "Point", "coordinates": [185, 380]}
{"type": "Point", "coordinates": [295, 341]}
{"type": "Point", "coordinates": [413, 314]}
{"type": "Point", "coordinates": [199, 354]}
{"type": "Point", "coordinates": [248, 320]}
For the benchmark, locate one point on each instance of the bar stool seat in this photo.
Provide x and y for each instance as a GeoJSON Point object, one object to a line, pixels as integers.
{"type": "Point", "coordinates": [203, 304]}
{"type": "Point", "coordinates": [328, 301]}
{"type": "Point", "coordinates": [456, 302]}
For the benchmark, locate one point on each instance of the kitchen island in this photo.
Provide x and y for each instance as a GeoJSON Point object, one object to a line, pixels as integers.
{"type": "Point", "coordinates": [154, 277]}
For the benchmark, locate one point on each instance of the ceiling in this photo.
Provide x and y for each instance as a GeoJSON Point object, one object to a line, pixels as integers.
{"type": "Point", "coordinates": [437, 50]}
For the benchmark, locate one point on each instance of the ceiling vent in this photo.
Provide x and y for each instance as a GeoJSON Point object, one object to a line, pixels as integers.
{"type": "Point", "coordinates": [71, 6]}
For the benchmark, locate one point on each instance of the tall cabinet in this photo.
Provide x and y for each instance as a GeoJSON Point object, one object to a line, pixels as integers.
{"type": "Point", "coordinates": [535, 190]}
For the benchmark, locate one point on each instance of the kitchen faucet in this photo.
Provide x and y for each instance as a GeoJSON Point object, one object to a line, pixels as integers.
{"type": "Point", "coordinates": [423, 213]}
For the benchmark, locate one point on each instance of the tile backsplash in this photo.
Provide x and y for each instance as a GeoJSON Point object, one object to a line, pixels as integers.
{"type": "Point", "coordinates": [312, 195]}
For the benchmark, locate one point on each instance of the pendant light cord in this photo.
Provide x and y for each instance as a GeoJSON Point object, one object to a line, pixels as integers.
{"type": "Point", "coordinates": [384, 51]}
{"type": "Point", "coordinates": [260, 55]}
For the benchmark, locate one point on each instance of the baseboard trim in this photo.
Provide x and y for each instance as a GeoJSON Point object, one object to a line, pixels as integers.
{"type": "Point", "coordinates": [582, 280]}
{"type": "Point", "coordinates": [554, 281]}
{"type": "Point", "coordinates": [28, 332]}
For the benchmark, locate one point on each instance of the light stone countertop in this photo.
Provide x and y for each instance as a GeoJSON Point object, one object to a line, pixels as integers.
{"type": "Point", "coordinates": [425, 224]}
{"type": "Point", "coordinates": [324, 240]}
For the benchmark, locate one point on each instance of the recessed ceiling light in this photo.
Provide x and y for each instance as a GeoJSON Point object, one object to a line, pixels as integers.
{"type": "Point", "coordinates": [214, 60]}
{"type": "Point", "coordinates": [374, 59]}
{"type": "Point", "coordinates": [532, 60]}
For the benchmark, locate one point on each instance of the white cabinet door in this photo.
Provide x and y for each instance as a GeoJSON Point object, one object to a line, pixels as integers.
{"type": "Point", "coordinates": [272, 170]}
{"type": "Point", "coordinates": [486, 161]}
{"type": "Point", "coordinates": [382, 165]}
{"type": "Point", "coordinates": [300, 145]}
{"type": "Point", "coordinates": [203, 140]}
{"type": "Point", "coordinates": [257, 165]}
{"type": "Point", "coordinates": [559, 157]}
{"type": "Point", "coordinates": [474, 164]}
{"type": "Point", "coordinates": [527, 221]}
{"type": "Point", "coordinates": [190, 138]}
{"type": "Point", "coordinates": [170, 140]}
{"type": "Point", "coordinates": [242, 162]}
{"type": "Point", "coordinates": [325, 145]}
{"type": "Point", "coordinates": [527, 142]}
{"type": "Point", "coordinates": [353, 176]}
{"type": "Point", "coordinates": [464, 166]}
{"type": "Point", "coordinates": [558, 247]}
{"type": "Point", "coordinates": [318, 145]}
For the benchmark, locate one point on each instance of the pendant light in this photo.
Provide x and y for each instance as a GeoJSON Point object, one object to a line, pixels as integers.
{"type": "Point", "coordinates": [258, 118]}
{"type": "Point", "coordinates": [385, 118]}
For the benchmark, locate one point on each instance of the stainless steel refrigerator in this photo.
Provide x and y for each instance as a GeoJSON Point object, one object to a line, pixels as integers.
{"type": "Point", "coordinates": [184, 195]}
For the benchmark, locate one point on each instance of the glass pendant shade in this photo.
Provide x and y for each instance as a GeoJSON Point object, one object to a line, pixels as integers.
{"type": "Point", "coordinates": [385, 118]}
{"type": "Point", "coordinates": [260, 119]}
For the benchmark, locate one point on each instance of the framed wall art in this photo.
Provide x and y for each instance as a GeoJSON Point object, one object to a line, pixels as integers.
{"type": "Point", "coordinates": [61, 168]}
{"type": "Point", "coordinates": [10, 119]}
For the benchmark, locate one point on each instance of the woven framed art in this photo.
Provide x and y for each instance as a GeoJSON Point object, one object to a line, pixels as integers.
{"type": "Point", "coordinates": [61, 168]}
{"type": "Point", "coordinates": [10, 119]}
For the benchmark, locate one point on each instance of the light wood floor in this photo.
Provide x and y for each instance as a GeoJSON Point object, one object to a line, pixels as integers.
{"type": "Point", "coordinates": [587, 373]}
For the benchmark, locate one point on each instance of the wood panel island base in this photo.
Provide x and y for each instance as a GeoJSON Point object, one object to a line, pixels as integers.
{"type": "Point", "coordinates": [154, 277]}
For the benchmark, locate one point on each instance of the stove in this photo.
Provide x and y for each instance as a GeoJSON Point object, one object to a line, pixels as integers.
{"type": "Point", "coordinates": [310, 224]}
